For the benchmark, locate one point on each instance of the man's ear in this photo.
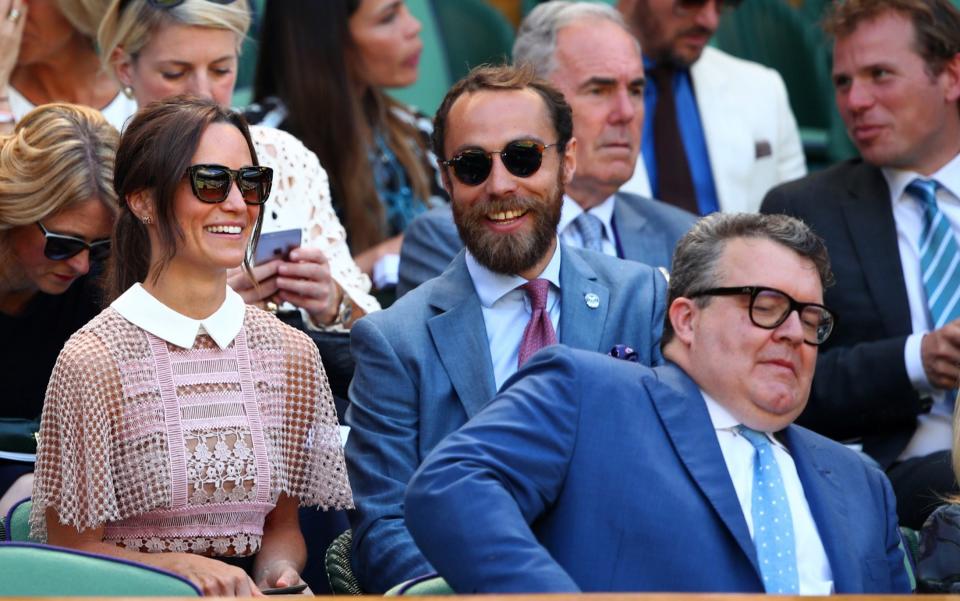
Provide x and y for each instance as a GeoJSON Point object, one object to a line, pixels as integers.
{"type": "Point", "coordinates": [951, 76]}
{"type": "Point", "coordinates": [569, 161]}
{"type": "Point", "coordinates": [683, 313]}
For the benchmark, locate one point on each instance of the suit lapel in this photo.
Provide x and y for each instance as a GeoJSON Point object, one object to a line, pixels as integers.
{"type": "Point", "coordinates": [581, 326]}
{"type": "Point", "coordinates": [460, 337]}
{"type": "Point", "coordinates": [824, 493]}
{"type": "Point", "coordinates": [687, 422]}
{"type": "Point", "coordinates": [715, 120]}
{"type": "Point", "coordinates": [637, 239]}
{"type": "Point", "coordinates": [869, 219]}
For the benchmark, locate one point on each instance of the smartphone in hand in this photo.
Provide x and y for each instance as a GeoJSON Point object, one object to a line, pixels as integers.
{"type": "Point", "coordinates": [276, 245]}
{"type": "Point", "coordinates": [285, 590]}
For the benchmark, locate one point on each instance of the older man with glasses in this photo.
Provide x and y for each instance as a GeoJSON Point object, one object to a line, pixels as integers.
{"type": "Point", "coordinates": [587, 473]}
{"type": "Point", "coordinates": [433, 359]}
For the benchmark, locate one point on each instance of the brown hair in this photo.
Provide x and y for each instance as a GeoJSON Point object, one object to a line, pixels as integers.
{"type": "Point", "coordinates": [305, 53]}
{"type": "Point", "coordinates": [936, 25]}
{"type": "Point", "coordinates": [155, 150]}
{"type": "Point", "coordinates": [503, 78]}
{"type": "Point", "coordinates": [698, 252]}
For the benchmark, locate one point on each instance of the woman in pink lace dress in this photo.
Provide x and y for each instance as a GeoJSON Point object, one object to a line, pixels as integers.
{"type": "Point", "coordinates": [183, 428]}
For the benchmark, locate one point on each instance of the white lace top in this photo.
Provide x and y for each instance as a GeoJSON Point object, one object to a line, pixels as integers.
{"type": "Point", "coordinates": [301, 199]}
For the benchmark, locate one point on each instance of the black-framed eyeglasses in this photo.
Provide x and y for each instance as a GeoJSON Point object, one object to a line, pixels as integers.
{"type": "Point", "coordinates": [211, 183]}
{"type": "Point", "coordinates": [60, 247]}
{"type": "Point", "coordinates": [168, 4]}
{"type": "Point", "coordinates": [521, 158]}
{"type": "Point", "coordinates": [770, 307]}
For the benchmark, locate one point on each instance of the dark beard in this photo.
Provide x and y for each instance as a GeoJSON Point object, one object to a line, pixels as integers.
{"type": "Point", "coordinates": [510, 253]}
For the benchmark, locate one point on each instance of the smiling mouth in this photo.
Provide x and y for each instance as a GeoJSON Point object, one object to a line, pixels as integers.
{"type": "Point", "coordinates": [506, 216]}
{"type": "Point", "coordinates": [224, 229]}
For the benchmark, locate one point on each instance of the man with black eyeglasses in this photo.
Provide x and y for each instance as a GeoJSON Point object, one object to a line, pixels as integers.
{"type": "Point", "coordinates": [433, 359]}
{"type": "Point", "coordinates": [718, 130]}
{"type": "Point", "coordinates": [588, 473]}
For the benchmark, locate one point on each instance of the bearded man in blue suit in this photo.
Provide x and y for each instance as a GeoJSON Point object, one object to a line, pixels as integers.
{"type": "Point", "coordinates": [433, 359]}
{"type": "Point", "coordinates": [589, 473]}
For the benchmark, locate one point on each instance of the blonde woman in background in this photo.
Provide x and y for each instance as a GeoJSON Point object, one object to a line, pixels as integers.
{"type": "Point", "coordinates": [158, 50]}
{"type": "Point", "coordinates": [47, 54]}
{"type": "Point", "coordinates": [57, 208]}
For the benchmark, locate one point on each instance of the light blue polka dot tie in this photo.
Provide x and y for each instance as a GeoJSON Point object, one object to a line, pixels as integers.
{"type": "Point", "coordinates": [591, 231]}
{"type": "Point", "coordinates": [772, 523]}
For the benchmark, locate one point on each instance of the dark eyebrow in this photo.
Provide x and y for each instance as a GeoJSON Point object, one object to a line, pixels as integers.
{"type": "Point", "coordinates": [604, 82]}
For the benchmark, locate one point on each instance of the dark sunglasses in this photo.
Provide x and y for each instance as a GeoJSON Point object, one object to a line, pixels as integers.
{"type": "Point", "coordinates": [521, 158]}
{"type": "Point", "coordinates": [59, 247]}
{"type": "Point", "coordinates": [168, 4]}
{"type": "Point", "coordinates": [693, 5]}
{"type": "Point", "coordinates": [770, 307]}
{"type": "Point", "coordinates": [211, 183]}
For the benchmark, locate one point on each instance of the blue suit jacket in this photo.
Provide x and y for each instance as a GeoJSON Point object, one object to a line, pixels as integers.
{"type": "Point", "coordinates": [648, 230]}
{"type": "Point", "coordinates": [423, 368]}
{"type": "Point", "coordinates": [589, 473]}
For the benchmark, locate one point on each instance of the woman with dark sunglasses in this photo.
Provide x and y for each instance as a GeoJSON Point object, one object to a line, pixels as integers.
{"type": "Point", "coordinates": [183, 428]}
{"type": "Point", "coordinates": [161, 48]}
{"type": "Point", "coordinates": [57, 208]}
{"type": "Point", "coordinates": [322, 74]}
{"type": "Point", "coordinates": [47, 54]}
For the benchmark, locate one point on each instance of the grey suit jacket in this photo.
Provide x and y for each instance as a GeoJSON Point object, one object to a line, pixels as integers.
{"type": "Point", "coordinates": [647, 230]}
{"type": "Point", "coordinates": [424, 368]}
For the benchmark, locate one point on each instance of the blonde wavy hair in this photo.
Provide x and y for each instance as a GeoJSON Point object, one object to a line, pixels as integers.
{"type": "Point", "coordinates": [58, 155]}
{"type": "Point", "coordinates": [84, 15]}
{"type": "Point", "coordinates": [131, 30]}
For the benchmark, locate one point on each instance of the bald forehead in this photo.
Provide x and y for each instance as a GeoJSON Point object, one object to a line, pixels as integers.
{"type": "Point", "coordinates": [596, 47]}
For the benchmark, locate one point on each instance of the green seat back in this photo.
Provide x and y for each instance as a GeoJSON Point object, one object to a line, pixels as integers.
{"type": "Point", "coordinates": [774, 34]}
{"type": "Point", "coordinates": [434, 76]}
{"type": "Point", "coordinates": [425, 586]}
{"type": "Point", "coordinates": [28, 569]}
{"type": "Point", "coordinates": [17, 523]}
{"type": "Point", "coordinates": [339, 570]}
{"type": "Point", "coordinates": [474, 33]}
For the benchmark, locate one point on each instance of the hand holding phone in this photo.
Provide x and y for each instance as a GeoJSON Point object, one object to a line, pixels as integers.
{"type": "Point", "coordinates": [277, 245]}
{"type": "Point", "coordinates": [285, 590]}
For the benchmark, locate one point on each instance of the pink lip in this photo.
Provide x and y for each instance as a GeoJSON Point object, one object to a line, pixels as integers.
{"type": "Point", "coordinates": [866, 132]}
{"type": "Point", "coordinates": [65, 278]}
{"type": "Point", "coordinates": [784, 363]}
{"type": "Point", "coordinates": [412, 61]}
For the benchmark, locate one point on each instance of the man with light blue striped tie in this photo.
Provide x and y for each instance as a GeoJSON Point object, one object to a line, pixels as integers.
{"type": "Point", "coordinates": [887, 380]}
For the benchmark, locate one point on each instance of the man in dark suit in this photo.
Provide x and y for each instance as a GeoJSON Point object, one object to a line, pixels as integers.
{"type": "Point", "coordinates": [588, 53]}
{"type": "Point", "coordinates": [886, 380]}
{"type": "Point", "coordinates": [589, 473]}
{"type": "Point", "coordinates": [430, 361]}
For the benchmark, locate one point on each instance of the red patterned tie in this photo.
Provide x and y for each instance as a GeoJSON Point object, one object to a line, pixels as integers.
{"type": "Point", "coordinates": [539, 331]}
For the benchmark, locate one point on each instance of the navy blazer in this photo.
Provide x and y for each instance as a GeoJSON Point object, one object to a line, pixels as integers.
{"type": "Point", "coordinates": [647, 231]}
{"type": "Point", "coordinates": [594, 474]}
{"type": "Point", "coordinates": [861, 388]}
{"type": "Point", "coordinates": [424, 368]}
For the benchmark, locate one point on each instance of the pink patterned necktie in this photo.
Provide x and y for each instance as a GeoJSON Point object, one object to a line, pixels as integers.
{"type": "Point", "coordinates": [539, 331]}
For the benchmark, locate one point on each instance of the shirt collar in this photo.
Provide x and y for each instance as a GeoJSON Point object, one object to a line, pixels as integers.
{"type": "Point", "coordinates": [570, 210]}
{"type": "Point", "coordinates": [140, 308]}
{"type": "Point", "coordinates": [947, 176]}
{"type": "Point", "coordinates": [492, 286]}
{"type": "Point", "coordinates": [722, 419]}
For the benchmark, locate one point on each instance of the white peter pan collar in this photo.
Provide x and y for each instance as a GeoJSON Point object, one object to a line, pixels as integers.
{"type": "Point", "coordinates": [140, 308]}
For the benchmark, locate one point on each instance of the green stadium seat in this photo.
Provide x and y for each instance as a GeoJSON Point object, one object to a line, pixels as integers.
{"type": "Point", "coordinates": [474, 33]}
{"type": "Point", "coordinates": [434, 80]}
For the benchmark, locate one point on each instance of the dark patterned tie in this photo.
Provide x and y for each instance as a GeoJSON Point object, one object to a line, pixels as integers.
{"type": "Point", "coordinates": [674, 183]}
{"type": "Point", "coordinates": [539, 331]}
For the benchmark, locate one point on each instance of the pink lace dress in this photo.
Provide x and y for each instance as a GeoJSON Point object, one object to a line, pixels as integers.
{"type": "Point", "coordinates": [186, 449]}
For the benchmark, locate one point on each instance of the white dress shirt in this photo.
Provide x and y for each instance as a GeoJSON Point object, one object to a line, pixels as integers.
{"type": "Point", "coordinates": [140, 308]}
{"type": "Point", "coordinates": [506, 310]}
{"type": "Point", "coordinates": [813, 567]}
{"type": "Point", "coordinates": [570, 235]}
{"type": "Point", "coordinates": [934, 431]}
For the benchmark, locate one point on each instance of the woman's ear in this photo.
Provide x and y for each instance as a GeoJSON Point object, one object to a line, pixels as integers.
{"type": "Point", "coordinates": [122, 64]}
{"type": "Point", "coordinates": [142, 206]}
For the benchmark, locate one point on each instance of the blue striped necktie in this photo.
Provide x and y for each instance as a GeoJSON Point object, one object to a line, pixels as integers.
{"type": "Point", "coordinates": [591, 231]}
{"type": "Point", "coordinates": [772, 523]}
{"type": "Point", "coordinates": [939, 256]}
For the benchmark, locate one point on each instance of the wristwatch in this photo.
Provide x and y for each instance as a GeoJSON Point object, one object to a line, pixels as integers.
{"type": "Point", "coordinates": [344, 312]}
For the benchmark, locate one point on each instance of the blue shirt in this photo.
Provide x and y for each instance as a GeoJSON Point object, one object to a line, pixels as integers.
{"type": "Point", "coordinates": [506, 310]}
{"type": "Point", "coordinates": [691, 132]}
